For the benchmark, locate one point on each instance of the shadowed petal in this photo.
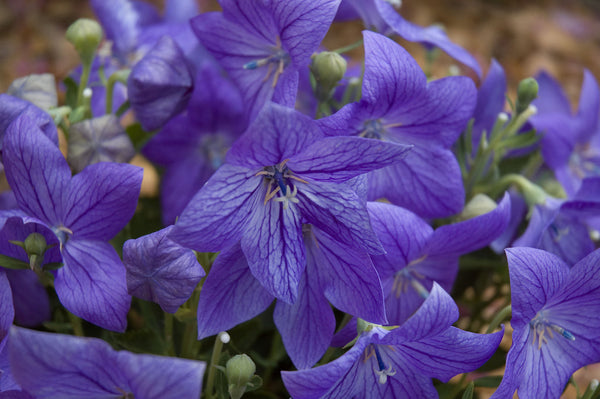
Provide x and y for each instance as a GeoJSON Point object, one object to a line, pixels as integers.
{"type": "Point", "coordinates": [32, 306]}
{"type": "Point", "coordinates": [7, 311]}
{"type": "Point", "coordinates": [230, 295]}
{"type": "Point", "coordinates": [120, 21]}
{"type": "Point", "coordinates": [92, 284]}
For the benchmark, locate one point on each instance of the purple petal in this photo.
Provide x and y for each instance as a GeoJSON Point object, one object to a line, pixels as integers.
{"type": "Point", "coordinates": [57, 365]}
{"type": "Point", "coordinates": [307, 326]}
{"type": "Point", "coordinates": [551, 97]}
{"type": "Point", "coordinates": [337, 210]}
{"type": "Point", "coordinates": [347, 276]}
{"type": "Point", "coordinates": [12, 107]}
{"type": "Point", "coordinates": [7, 312]}
{"type": "Point", "coordinates": [272, 243]}
{"type": "Point", "coordinates": [120, 21]}
{"type": "Point", "coordinates": [160, 84]}
{"type": "Point", "coordinates": [230, 295]}
{"type": "Point", "coordinates": [432, 35]}
{"type": "Point", "coordinates": [490, 101]}
{"type": "Point", "coordinates": [36, 171]}
{"type": "Point", "coordinates": [101, 199]}
{"type": "Point", "coordinates": [338, 159]}
{"type": "Point", "coordinates": [160, 270]}
{"type": "Point", "coordinates": [365, 10]}
{"type": "Point", "coordinates": [92, 284]}
{"type": "Point", "coordinates": [180, 10]}
{"type": "Point", "coordinates": [254, 16]}
{"type": "Point", "coordinates": [589, 104]}
{"type": "Point", "coordinates": [392, 76]}
{"type": "Point", "coordinates": [40, 90]}
{"type": "Point", "coordinates": [535, 277]}
{"type": "Point", "coordinates": [559, 137]}
{"type": "Point", "coordinates": [32, 306]}
{"type": "Point", "coordinates": [430, 183]}
{"type": "Point", "coordinates": [217, 214]}
{"type": "Point", "coordinates": [278, 133]}
{"type": "Point", "coordinates": [470, 235]}
{"type": "Point", "coordinates": [160, 377]}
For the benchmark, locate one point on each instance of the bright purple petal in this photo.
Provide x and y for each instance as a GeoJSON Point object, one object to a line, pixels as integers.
{"type": "Point", "coordinates": [551, 97]}
{"type": "Point", "coordinates": [230, 295]}
{"type": "Point", "coordinates": [119, 20]}
{"type": "Point", "coordinates": [32, 306]}
{"type": "Point", "coordinates": [160, 270]}
{"type": "Point", "coordinates": [12, 108]}
{"type": "Point", "coordinates": [490, 101]}
{"type": "Point", "coordinates": [7, 312]}
{"type": "Point", "coordinates": [36, 171]}
{"type": "Point", "coordinates": [92, 284]}
{"type": "Point", "coordinates": [101, 199]}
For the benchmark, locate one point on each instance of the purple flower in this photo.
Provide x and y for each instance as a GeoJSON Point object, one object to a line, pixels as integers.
{"type": "Point", "coordinates": [193, 145]}
{"type": "Point", "coordinates": [335, 273]}
{"type": "Point", "coordinates": [490, 102]}
{"type": "Point", "coordinates": [64, 366]}
{"type": "Point", "coordinates": [161, 271]}
{"type": "Point", "coordinates": [398, 105]}
{"type": "Point", "coordinates": [280, 174]}
{"type": "Point", "coordinates": [381, 16]}
{"type": "Point", "coordinates": [554, 316]}
{"type": "Point", "coordinates": [263, 44]}
{"type": "Point", "coordinates": [401, 362]}
{"type": "Point", "coordinates": [84, 212]}
{"type": "Point", "coordinates": [562, 226]}
{"type": "Point", "coordinates": [417, 256]}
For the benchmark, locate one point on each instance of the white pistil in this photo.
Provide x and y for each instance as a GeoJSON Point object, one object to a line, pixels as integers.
{"type": "Point", "coordinates": [290, 196]}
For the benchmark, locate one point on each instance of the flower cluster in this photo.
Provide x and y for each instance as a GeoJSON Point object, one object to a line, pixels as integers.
{"type": "Point", "coordinates": [312, 193]}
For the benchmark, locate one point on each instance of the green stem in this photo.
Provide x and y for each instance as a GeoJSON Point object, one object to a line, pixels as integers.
{"type": "Point", "coordinates": [169, 334]}
{"type": "Point", "coordinates": [119, 76]}
{"type": "Point", "coordinates": [214, 361]}
{"type": "Point", "coordinates": [499, 318]}
{"type": "Point", "coordinates": [349, 47]}
{"type": "Point", "coordinates": [85, 77]}
{"type": "Point", "coordinates": [188, 342]}
{"type": "Point", "coordinates": [76, 324]}
{"type": "Point", "coordinates": [591, 390]}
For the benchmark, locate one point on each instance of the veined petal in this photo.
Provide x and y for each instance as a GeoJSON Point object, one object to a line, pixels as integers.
{"type": "Point", "coordinates": [160, 270]}
{"type": "Point", "coordinates": [535, 277]}
{"type": "Point", "coordinates": [92, 284]}
{"type": "Point", "coordinates": [307, 326]}
{"type": "Point", "coordinates": [432, 35]}
{"type": "Point", "coordinates": [277, 134]}
{"type": "Point", "coordinates": [337, 210]}
{"type": "Point", "coordinates": [36, 171]}
{"type": "Point", "coordinates": [218, 213]}
{"type": "Point", "coordinates": [12, 108]}
{"type": "Point", "coordinates": [338, 159]}
{"type": "Point", "coordinates": [230, 295]}
{"type": "Point", "coordinates": [392, 76]}
{"type": "Point", "coordinates": [347, 276]}
{"type": "Point", "coordinates": [272, 242]}
{"type": "Point", "coordinates": [7, 312]}
{"type": "Point", "coordinates": [255, 16]}
{"type": "Point", "coordinates": [101, 199]}
{"type": "Point", "coordinates": [490, 101]}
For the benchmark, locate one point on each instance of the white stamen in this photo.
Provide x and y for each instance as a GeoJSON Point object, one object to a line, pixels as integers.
{"type": "Point", "coordinates": [224, 337]}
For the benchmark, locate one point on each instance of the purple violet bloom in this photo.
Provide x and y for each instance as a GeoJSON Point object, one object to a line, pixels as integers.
{"type": "Point", "coordinates": [380, 15]}
{"type": "Point", "coordinates": [571, 142]}
{"type": "Point", "coordinates": [192, 146]}
{"type": "Point", "coordinates": [554, 316]}
{"type": "Point", "coordinates": [490, 102]}
{"type": "Point", "coordinates": [263, 43]}
{"type": "Point", "coordinates": [417, 256]}
{"type": "Point", "coordinates": [84, 212]}
{"type": "Point", "coordinates": [335, 273]}
{"type": "Point", "coordinates": [160, 84]}
{"type": "Point", "coordinates": [401, 362]}
{"type": "Point", "coordinates": [160, 270]}
{"type": "Point", "coordinates": [280, 174]}
{"type": "Point", "coordinates": [398, 105]}
{"type": "Point", "coordinates": [562, 226]}
{"type": "Point", "coordinates": [65, 366]}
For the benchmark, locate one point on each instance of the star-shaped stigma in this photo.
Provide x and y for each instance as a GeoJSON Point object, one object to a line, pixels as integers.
{"type": "Point", "coordinates": [279, 175]}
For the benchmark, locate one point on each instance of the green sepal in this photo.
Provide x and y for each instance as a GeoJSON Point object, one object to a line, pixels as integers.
{"type": "Point", "coordinates": [9, 262]}
{"type": "Point", "coordinates": [468, 394]}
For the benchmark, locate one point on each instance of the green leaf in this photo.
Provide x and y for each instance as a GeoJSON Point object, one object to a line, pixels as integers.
{"type": "Point", "coordinates": [468, 394]}
{"type": "Point", "coordinates": [71, 96]}
{"type": "Point", "coordinates": [521, 140]}
{"type": "Point", "coordinates": [144, 340]}
{"type": "Point", "coordinates": [12, 263]}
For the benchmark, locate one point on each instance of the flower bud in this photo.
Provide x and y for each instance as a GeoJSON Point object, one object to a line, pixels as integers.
{"type": "Point", "coordinates": [239, 370]}
{"type": "Point", "coordinates": [477, 206]}
{"type": "Point", "coordinates": [85, 34]}
{"type": "Point", "coordinates": [35, 244]}
{"type": "Point", "coordinates": [328, 68]}
{"type": "Point", "coordinates": [526, 93]}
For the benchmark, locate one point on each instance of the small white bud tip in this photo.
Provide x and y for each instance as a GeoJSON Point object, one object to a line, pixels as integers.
{"type": "Point", "coordinates": [87, 92]}
{"type": "Point", "coordinates": [224, 337]}
{"type": "Point", "coordinates": [502, 116]}
{"type": "Point", "coordinates": [594, 384]}
{"type": "Point", "coordinates": [533, 109]}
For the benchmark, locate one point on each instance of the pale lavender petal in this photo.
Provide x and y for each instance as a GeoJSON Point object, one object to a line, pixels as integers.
{"type": "Point", "coordinates": [161, 271]}
{"type": "Point", "coordinates": [218, 213]}
{"type": "Point", "coordinates": [307, 326]}
{"type": "Point", "coordinates": [278, 133]}
{"type": "Point", "coordinates": [92, 284]}
{"type": "Point", "coordinates": [36, 171]}
{"type": "Point", "coordinates": [273, 245]}
{"type": "Point", "coordinates": [535, 277]}
{"type": "Point", "coordinates": [338, 159]}
{"type": "Point", "coordinates": [40, 90]}
{"type": "Point", "coordinates": [337, 210]}
{"type": "Point", "coordinates": [230, 295]}
{"type": "Point", "coordinates": [180, 10]}
{"type": "Point", "coordinates": [101, 199]}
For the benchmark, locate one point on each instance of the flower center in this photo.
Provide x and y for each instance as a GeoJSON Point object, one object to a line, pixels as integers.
{"type": "Point", "coordinates": [410, 277]}
{"type": "Point", "coordinates": [275, 62]}
{"type": "Point", "coordinates": [62, 233]}
{"type": "Point", "coordinates": [585, 161]}
{"type": "Point", "coordinates": [382, 370]}
{"type": "Point", "coordinates": [278, 178]}
{"type": "Point", "coordinates": [544, 330]}
{"type": "Point", "coordinates": [372, 129]}
{"type": "Point", "coordinates": [213, 148]}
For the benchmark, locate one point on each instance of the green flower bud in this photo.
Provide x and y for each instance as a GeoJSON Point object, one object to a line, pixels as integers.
{"type": "Point", "coordinates": [478, 205]}
{"type": "Point", "coordinates": [35, 244]}
{"type": "Point", "coordinates": [328, 68]}
{"type": "Point", "coordinates": [526, 93]}
{"type": "Point", "coordinates": [239, 370]}
{"type": "Point", "coordinates": [85, 34]}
